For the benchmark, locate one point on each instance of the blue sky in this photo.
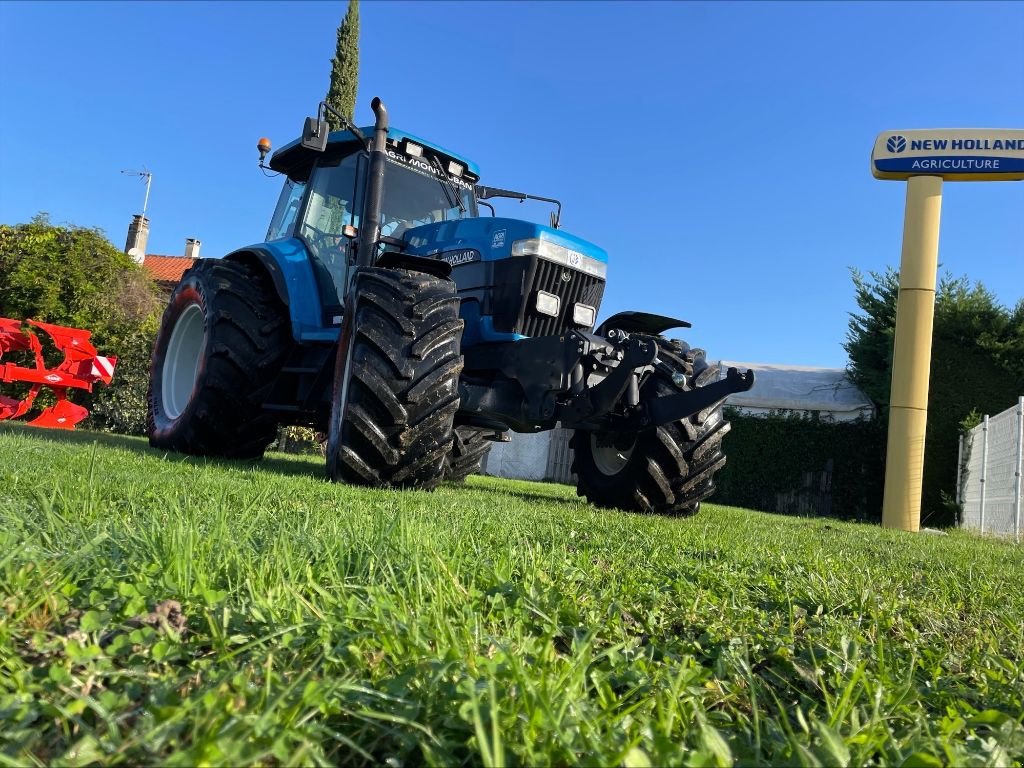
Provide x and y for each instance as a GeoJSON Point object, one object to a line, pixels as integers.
{"type": "Point", "coordinates": [718, 151]}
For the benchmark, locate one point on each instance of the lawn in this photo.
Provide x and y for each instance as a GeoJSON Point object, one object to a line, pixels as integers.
{"type": "Point", "coordinates": [162, 609]}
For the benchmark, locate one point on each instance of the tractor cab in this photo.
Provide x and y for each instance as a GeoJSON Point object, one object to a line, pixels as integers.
{"type": "Point", "coordinates": [324, 195]}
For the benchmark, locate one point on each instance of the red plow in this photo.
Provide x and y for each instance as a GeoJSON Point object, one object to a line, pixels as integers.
{"type": "Point", "coordinates": [81, 367]}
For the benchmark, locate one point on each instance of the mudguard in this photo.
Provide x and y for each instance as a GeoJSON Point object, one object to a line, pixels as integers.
{"type": "Point", "coordinates": [640, 322]}
{"type": "Point", "coordinates": [435, 267]}
{"type": "Point", "coordinates": [292, 272]}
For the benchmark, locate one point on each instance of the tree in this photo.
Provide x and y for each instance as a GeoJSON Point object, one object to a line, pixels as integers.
{"type": "Point", "coordinates": [977, 364]}
{"type": "Point", "coordinates": [341, 94]}
{"type": "Point", "coordinates": [74, 276]}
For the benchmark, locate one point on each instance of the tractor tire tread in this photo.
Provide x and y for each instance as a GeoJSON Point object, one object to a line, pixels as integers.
{"type": "Point", "coordinates": [248, 340]}
{"type": "Point", "coordinates": [670, 470]}
{"type": "Point", "coordinates": [469, 447]}
{"type": "Point", "coordinates": [402, 393]}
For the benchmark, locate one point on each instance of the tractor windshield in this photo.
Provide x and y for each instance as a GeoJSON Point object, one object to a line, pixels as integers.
{"type": "Point", "coordinates": [415, 195]}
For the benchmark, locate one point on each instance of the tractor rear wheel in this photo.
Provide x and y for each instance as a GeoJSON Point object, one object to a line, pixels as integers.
{"type": "Point", "coordinates": [666, 470]}
{"type": "Point", "coordinates": [223, 338]}
{"type": "Point", "coordinates": [396, 380]}
{"type": "Point", "coordinates": [469, 447]}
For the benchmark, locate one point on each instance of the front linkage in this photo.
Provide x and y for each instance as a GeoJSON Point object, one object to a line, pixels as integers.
{"type": "Point", "coordinates": [587, 381]}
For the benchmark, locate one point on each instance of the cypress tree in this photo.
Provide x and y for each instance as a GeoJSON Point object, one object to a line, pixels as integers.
{"type": "Point", "coordinates": [341, 95]}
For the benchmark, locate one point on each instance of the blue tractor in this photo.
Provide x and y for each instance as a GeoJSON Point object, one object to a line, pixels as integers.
{"type": "Point", "coordinates": [386, 312]}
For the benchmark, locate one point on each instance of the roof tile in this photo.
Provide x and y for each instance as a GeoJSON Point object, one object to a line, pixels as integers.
{"type": "Point", "coordinates": [166, 268]}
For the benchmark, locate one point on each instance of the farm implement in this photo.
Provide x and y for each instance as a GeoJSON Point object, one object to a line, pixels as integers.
{"type": "Point", "coordinates": [82, 367]}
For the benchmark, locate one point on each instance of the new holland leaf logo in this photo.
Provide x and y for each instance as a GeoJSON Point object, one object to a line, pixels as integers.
{"type": "Point", "coordinates": [896, 144]}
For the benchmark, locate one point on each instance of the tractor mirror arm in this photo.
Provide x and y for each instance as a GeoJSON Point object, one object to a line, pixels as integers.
{"type": "Point", "coordinates": [484, 193]}
{"type": "Point", "coordinates": [322, 125]}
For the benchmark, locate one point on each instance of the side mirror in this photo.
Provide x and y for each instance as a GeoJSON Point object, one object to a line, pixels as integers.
{"type": "Point", "coordinates": [314, 134]}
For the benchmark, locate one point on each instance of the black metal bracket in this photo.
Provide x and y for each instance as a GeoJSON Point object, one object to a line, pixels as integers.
{"type": "Point", "coordinates": [663, 410]}
{"type": "Point", "coordinates": [535, 383]}
{"type": "Point", "coordinates": [541, 366]}
{"type": "Point", "coordinates": [600, 399]}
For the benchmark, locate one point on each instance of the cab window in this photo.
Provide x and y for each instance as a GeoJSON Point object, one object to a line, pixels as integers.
{"type": "Point", "coordinates": [332, 205]}
{"type": "Point", "coordinates": [282, 224]}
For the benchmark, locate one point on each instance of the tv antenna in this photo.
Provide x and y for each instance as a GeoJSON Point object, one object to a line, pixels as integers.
{"type": "Point", "coordinates": [148, 176]}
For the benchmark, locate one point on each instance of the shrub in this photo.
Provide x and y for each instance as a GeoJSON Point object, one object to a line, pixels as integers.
{"type": "Point", "coordinates": [786, 462]}
{"type": "Point", "coordinates": [74, 276]}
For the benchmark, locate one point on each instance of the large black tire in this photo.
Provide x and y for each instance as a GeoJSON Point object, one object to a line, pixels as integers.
{"type": "Point", "coordinates": [667, 470]}
{"type": "Point", "coordinates": [396, 380]}
{"type": "Point", "coordinates": [469, 447]}
{"type": "Point", "coordinates": [223, 339]}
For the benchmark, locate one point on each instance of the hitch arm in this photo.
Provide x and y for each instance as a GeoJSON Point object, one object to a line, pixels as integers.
{"type": "Point", "coordinates": [662, 410]}
{"type": "Point", "coordinates": [601, 398]}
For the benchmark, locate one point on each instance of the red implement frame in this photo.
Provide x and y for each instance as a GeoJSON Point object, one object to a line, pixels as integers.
{"type": "Point", "coordinates": [81, 367]}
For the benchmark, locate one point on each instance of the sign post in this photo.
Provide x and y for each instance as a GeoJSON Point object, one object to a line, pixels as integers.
{"type": "Point", "coordinates": [924, 159]}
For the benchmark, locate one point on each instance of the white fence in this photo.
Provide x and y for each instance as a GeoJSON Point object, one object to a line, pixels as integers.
{"type": "Point", "coordinates": [989, 474]}
{"type": "Point", "coordinates": [541, 456]}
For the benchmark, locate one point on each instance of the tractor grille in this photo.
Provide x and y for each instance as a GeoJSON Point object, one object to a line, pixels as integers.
{"type": "Point", "coordinates": [580, 288]}
{"type": "Point", "coordinates": [569, 286]}
{"type": "Point", "coordinates": [517, 281]}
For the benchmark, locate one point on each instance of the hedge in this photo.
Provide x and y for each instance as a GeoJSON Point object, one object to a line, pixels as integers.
{"type": "Point", "coordinates": [788, 463]}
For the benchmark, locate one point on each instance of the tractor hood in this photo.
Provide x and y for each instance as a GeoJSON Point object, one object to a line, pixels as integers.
{"type": "Point", "coordinates": [462, 241]}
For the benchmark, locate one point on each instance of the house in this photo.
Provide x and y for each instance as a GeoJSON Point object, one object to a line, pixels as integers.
{"type": "Point", "coordinates": [166, 271]}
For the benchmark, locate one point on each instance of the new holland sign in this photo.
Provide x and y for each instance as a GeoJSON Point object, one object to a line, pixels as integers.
{"type": "Point", "coordinates": [955, 155]}
{"type": "Point", "coordinates": [925, 159]}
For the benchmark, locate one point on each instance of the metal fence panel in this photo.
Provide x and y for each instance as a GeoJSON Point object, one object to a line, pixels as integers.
{"type": "Point", "coordinates": [990, 474]}
{"type": "Point", "coordinates": [560, 457]}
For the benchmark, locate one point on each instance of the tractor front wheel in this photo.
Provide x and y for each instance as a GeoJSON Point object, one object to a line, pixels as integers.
{"type": "Point", "coordinates": [396, 380]}
{"type": "Point", "coordinates": [223, 339]}
{"type": "Point", "coordinates": [469, 447]}
{"type": "Point", "coordinates": [667, 470]}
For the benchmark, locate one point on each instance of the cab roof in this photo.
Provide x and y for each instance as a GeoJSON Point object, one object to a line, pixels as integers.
{"type": "Point", "coordinates": [296, 161]}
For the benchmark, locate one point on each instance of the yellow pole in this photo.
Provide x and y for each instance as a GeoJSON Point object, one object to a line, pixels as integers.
{"type": "Point", "coordinates": [915, 310]}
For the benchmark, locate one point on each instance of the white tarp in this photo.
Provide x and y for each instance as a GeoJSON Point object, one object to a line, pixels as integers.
{"type": "Point", "coordinates": [524, 458]}
{"type": "Point", "coordinates": [801, 388]}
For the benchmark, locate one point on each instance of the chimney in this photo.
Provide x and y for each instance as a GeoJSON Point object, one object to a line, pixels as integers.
{"type": "Point", "coordinates": [192, 248]}
{"type": "Point", "coordinates": [138, 234]}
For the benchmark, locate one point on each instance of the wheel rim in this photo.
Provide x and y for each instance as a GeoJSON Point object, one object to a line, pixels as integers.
{"type": "Point", "coordinates": [610, 458]}
{"type": "Point", "coordinates": [181, 363]}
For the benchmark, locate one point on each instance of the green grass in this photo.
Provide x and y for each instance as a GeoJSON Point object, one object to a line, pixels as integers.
{"type": "Point", "coordinates": [497, 623]}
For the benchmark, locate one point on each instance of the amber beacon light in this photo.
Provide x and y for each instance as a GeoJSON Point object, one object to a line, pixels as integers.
{"type": "Point", "coordinates": [263, 145]}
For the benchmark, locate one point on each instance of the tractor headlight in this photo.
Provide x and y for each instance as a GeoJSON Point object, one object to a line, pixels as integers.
{"type": "Point", "coordinates": [559, 254]}
{"type": "Point", "coordinates": [584, 315]}
{"type": "Point", "coordinates": [547, 303]}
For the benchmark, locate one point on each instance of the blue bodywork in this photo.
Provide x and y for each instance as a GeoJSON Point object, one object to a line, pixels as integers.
{"type": "Point", "coordinates": [487, 239]}
{"type": "Point", "coordinates": [491, 237]}
{"type": "Point", "coordinates": [291, 269]}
